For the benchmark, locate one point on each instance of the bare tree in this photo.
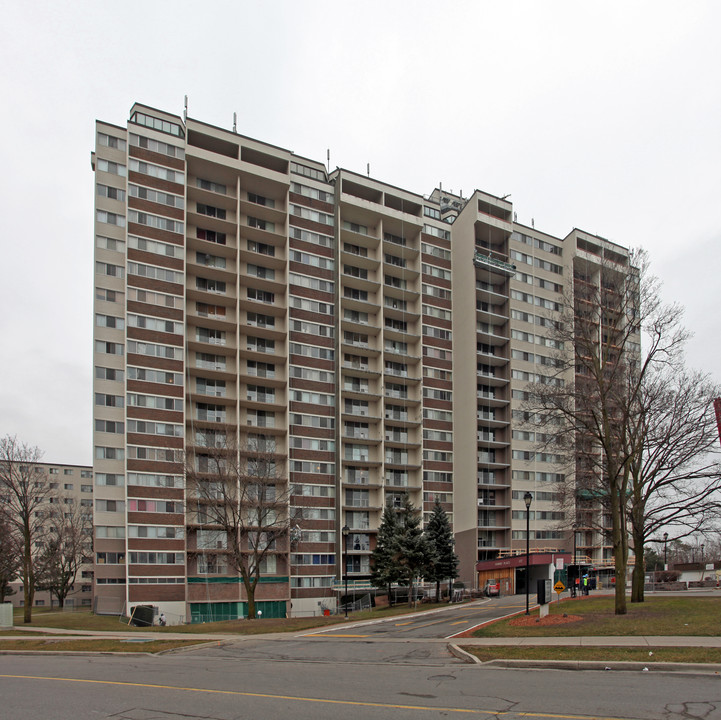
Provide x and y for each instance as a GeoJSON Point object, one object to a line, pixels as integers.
{"type": "Point", "coordinates": [24, 496]}
{"type": "Point", "coordinates": [67, 545]}
{"type": "Point", "coordinates": [614, 302]}
{"type": "Point", "coordinates": [9, 557]}
{"type": "Point", "coordinates": [239, 496]}
{"type": "Point", "coordinates": [676, 475]}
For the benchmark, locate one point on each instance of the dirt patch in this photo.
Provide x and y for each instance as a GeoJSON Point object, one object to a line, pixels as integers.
{"type": "Point", "coordinates": [548, 620]}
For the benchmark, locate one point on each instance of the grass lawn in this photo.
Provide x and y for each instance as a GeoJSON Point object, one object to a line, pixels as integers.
{"type": "Point", "coordinates": [655, 616]}
{"type": "Point", "coordinates": [84, 620]}
{"type": "Point", "coordinates": [599, 654]}
{"type": "Point", "coordinates": [94, 645]}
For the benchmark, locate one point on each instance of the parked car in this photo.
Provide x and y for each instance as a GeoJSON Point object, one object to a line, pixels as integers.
{"type": "Point", "coordinates": [492, 588]}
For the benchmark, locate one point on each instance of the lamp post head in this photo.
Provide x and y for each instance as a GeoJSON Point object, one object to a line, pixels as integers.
{"type": "Point", "coordinates": [528, 498]}
{"type": "Point", "coordinates": [665, 537]}
{"type": "Point", "coordinates": [345, 531]}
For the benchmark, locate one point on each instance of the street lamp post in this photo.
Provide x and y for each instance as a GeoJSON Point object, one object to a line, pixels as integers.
{"type": "Point", "coordinates": [528, 498]}
{"type": "Point", "coordinates": [702, 547]}
{"type": "Point", "coordinates": [346, 532]}
{"type": "Point", "coordinates": [665, 540]}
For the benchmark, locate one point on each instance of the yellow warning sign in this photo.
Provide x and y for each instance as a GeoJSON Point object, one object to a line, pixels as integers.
{"type": "Point", "coordinates": [559, 587]}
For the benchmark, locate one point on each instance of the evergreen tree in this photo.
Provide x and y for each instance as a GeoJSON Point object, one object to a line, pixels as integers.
{"type": "Point", "coordinates": [385, 569]}
{"type": "Point", "coordinates": [414, 554]}
{"type": "Point", "coordinates": [445, 561]}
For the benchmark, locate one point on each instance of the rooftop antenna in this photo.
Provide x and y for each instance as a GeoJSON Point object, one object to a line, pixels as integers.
{"type": "Point", "coordinates": [235, 122]}
{"type": "Point", "coordinates": [368, 169]}
{"type": "Point", "coordinates": [328, 155]}
{"type": "Point", "coordinates": [185, 111]}
{"type": "Point", "coordinates": [533, 223]}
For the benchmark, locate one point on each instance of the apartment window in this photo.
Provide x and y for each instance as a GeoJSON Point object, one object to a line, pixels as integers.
{"type": "Point", "coordinates": [312, 351]}
{"type": "Point", "coordinates": [108, 348]}
{"type": "Point", "coordinates": [261, 248]}
{"type": "Point", "coordinates": [211, 236]}
{"type": "Point", "coordinates": [316, 421]}
{"type": "Point", "coordinates": [111, 167]}
{"type": "Point", "coordinates": [311, 237]}
{"type": "Point", "coordinates": [433, 291]}
{"type": "Point", "coordinates": [157, 558]}
{"type": "Point", "coordinates": [312, 260]}
{"type": "Point", "coordinates": [165, 126]}
{"type": "Point", "coordinates": [263, 345]}
{"type": "Point", "coordinates": [109, 453]}
{"type": "Point", "coordinates": [111, 141]}
{"type": "Point", "coordinates": [155, 221]}
{"type": "Point", "coordinates": [156, 196]}
{"type": "Point", "coordinates": [436, 232]}
{"type": "Point", "coordinates": [310, 305]}
{"type": "Point", "coordinates": [255, 222]}
{"type": "Point", "coordinates": [210, 211]}
{"type": "Point", "coordinates": [308, 214]}
{"type": "Point", "coordinates": [262, 296]}
{"type": "Point", "coordinates": [108, 191]}
{"type": "Point", "coordinates": [312, 398]}
{"type": "Point", "coordinates": [157, 402]}
{"type": "Point", "coordinates": [108, 295]}
{"type": "Point", "coordinates": [154, 272]}
{"type": "Point", "coordinates": [154, 350]}
{"type": "Point", "coordinates": [108, 321]}
{"type": "Point", "coordinates": [306, 171]}
{"type": "Point", "coordinates": [438, 333]}
{"type": "Point", "coordinates": [106, 400]}
{"type": "Point", "coordinates": [435, 251]}
{"type": "Point", "coordinates": [156, 145]}
{"type": "Point", "coordinates": [109, 426]}
{"type": "Point", "coordinates": [354, 294]}
{"type": "Point", "coordinates": [261, 272]}
{"type": "Point", "coordinates": [107, 243]}
{"type": "Point", "coordinates": [110, 218]}
{"type": "Point", "coordinates": [314, 193]}
{"type": "Point", "coordinates": [260, 200]}
{"type": "Point", "coordinates": [157, 171]}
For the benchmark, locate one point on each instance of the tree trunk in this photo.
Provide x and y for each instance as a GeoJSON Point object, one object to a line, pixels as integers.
{"type": "Point", "coordinates": [28, 578]}
{"type": "Point", "coordinates": [638, 580]}
{"type": "Point", "coordinates": [620, 546]}
{"type": "Point", "coordinates": [410, 593]}
{"type": "Point", "coordinates": [438, 590]}
{"type": "Point", "coordinates": [251, 602]}
{"type": "Point", "coordinates": [639, 571]}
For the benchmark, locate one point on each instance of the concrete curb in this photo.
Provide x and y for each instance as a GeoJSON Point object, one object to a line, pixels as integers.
{"type": "Point", "coordinates": [626, 666]}
{"type": "Point", "coordinates": [463, 655]}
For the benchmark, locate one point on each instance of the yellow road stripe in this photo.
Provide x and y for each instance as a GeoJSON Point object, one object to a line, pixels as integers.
{"type": "Point", "coordinates": [498, 713]}
{"type": "Point", "coordinates": [460, 622]}
{"type": "Point", "coordinates": [405, 623]}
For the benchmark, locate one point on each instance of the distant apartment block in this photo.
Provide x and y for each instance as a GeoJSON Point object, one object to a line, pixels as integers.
{"type": "Point", "coordinates": [70, 487]}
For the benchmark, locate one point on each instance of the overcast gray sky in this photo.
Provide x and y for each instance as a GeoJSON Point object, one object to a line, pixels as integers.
{"type": "Point", "coordinates": [600, 115]}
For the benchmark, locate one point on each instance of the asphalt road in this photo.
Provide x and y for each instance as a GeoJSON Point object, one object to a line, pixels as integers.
{"type": "Point", "coordinates": [443, 623]}
{"type": "Point", "coordinates": [199, 684]}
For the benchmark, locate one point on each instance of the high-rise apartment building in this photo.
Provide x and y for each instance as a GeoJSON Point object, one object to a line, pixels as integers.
{"type": "Point", "coordinates": [375, 341]}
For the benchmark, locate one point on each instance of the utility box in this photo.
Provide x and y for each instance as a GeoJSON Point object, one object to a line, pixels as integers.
{"type": "Point", "coordinates": [6, 614]}
{"type": "Point", "coordinates": [543, 591]}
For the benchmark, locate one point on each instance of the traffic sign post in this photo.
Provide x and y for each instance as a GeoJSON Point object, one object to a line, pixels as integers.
{"type": "Point", "coordinates": [559, 587]}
